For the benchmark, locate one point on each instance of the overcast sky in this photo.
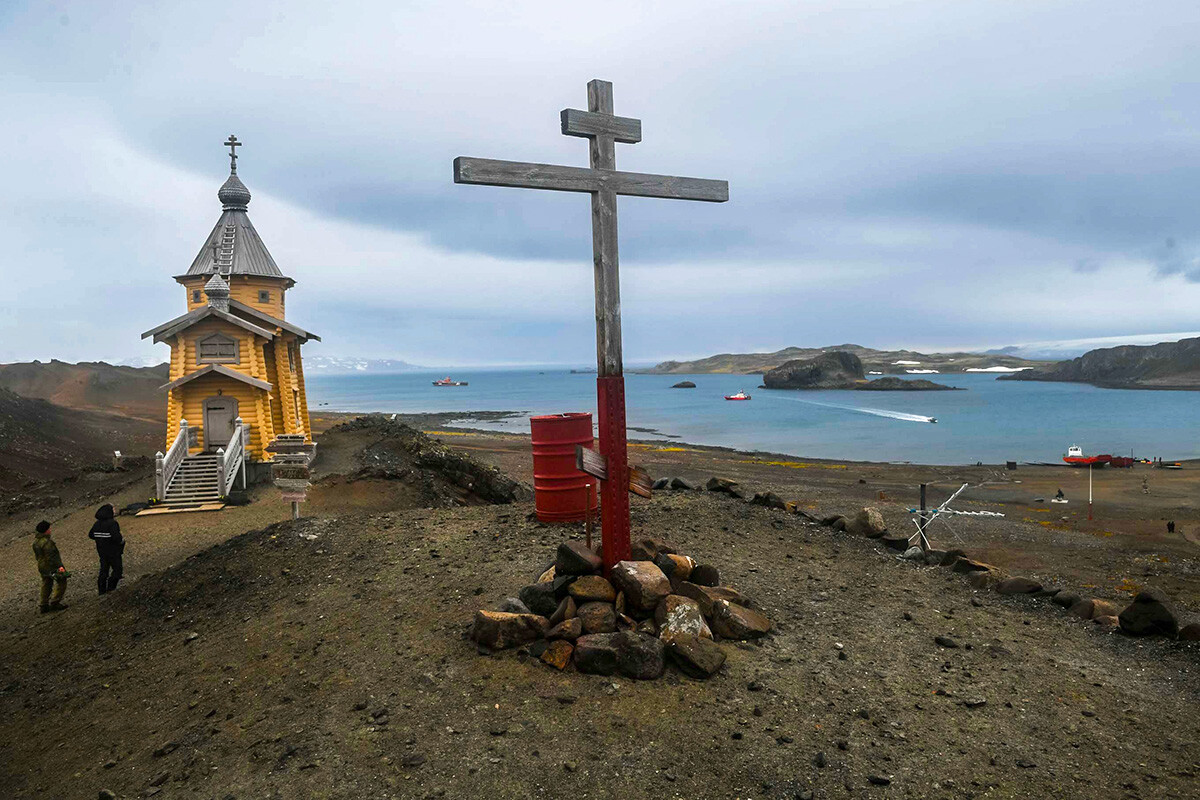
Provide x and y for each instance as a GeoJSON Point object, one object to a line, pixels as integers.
{"type": "Point", "coordinates": [918, 174]}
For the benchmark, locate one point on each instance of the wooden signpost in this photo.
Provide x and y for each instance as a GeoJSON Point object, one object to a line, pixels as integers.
{"type": "Point", "coordinates": [603, 182]}
{"type": "Point", "coordinates": [290, 469]}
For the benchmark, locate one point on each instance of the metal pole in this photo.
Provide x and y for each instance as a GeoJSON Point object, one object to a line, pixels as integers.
{"type": "Point", "coordinates": [295, 510]}
{"type": "Point", "coordinates": [1089, 491]}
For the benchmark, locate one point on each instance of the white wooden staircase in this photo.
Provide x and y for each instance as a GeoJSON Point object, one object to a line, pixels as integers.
{"type": "Point", "coordinates": [196, 481]}
{"type": "Point", "coordinates": [200, 482]}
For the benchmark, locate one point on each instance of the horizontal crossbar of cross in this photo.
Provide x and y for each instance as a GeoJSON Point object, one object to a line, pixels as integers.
{"type": "Point", "coordinates": [522, 175]}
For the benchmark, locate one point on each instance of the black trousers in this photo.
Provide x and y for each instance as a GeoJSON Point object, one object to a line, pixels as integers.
{"type": "Point", "coordinates": [110, 572]}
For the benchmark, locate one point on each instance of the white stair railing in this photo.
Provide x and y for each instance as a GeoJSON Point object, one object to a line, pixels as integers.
{"type": "Point", "coordinates": [232, 462]}
{"type": "Point", "coordinates": [165, 466]}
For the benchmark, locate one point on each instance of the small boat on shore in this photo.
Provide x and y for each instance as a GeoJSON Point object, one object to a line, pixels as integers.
{"type": "Point", "coordinates": [1076, 458]}
{"type": "Point", "coordinates": [448, 382]}
{"type": "Point", "coordinates": [739, 396]}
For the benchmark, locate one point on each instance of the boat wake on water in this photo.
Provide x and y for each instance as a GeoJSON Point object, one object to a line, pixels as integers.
{"type": "Point", "coordinates": [878, 412]}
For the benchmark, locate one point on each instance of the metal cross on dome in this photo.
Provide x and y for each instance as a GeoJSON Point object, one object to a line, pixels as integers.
{"type": "Point", "coordinates": [232, 142]}
{"type": "Point", "coordinates": [603, 182]}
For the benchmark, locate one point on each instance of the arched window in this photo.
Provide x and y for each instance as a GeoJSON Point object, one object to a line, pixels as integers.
{"type": "Point", "coordinates": [216, 348]}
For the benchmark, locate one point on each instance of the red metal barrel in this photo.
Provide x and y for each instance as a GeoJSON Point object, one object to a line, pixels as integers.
{"type": "Point", "coordinates": [561, 492]}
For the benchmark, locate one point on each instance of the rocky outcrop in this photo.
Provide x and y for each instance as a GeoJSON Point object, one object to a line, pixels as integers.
{"type": "Point", "coordinates": [839, 370]}
{"type": "Point", "coordinates": [1150, 612]}
{"type": "Point", "coordinates": [1169, 365]}
{"type": "Point", "coordinates": [684, 385]}
{"type": "Point", "coordinates": [834, 370]}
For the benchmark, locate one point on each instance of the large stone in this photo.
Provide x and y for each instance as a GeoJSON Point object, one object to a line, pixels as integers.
{"type": "Point", "coordinates": [695, 656]}
{"type": "Point", "coordinates": [648, 549]}
{"type": "Point", "coordinates": [1108, 622]}
{"type": "Point", "coordinates": [639, 655]}
{"type": "Point", "coordinates": [677, 614]}
{"type": "Point", "coordinates": [934, 557]}
{"type": "Point", "coordinates": [840, 524]}
{"type": "Point", "coordinates": [591, 589]}
{"type": "Point", "coordinates": [868, 522]}
{"type": "Point", "coordinates": [705, 575]}
{"type": "Point", "coordinates": [498, 629]}
{"type": "Point", "coordinates": [705, 596]}
{"type": "Point", "coordinates": [512, 605]}
{"type": "Point", "coordinates": [597, 617]}
{"type": "Point", "coordinates": [566, 609]}
{"type": "Point", "coordinates": [1092, 608]}
{"type": "Point", "coordinates": [1190, 632]}
{"type": "Point", "coordinates": [1151, 612]}
{"type": "Point", "coordinates": [895, 541]}
{"type": "Point", "coordinates": [1065, 599]}
{"type": "Point", "coordinates": [720, 484]}
{"type": "Point", "coordinates": [950, 557]}
{"type": "Point", "coordinates": [964, 565]}
{"type": "Point", "coordinates": [558, 654]}
{"type": "Point", "coordinates": [643, 583]}
{"type": "Point", "coordinates": [576, 558]}
{"type": "Point", "coordinates": [546, 576]}
{"type": "Point", "coordinates": [596, 654]}
{"type": "Point", "coordinates": [913, 554]}
{"type": "Point", "coordinates": [676, 567]}
{"type": "Point", "coordinates": [769, 499]}
{"type": "Point", "coordinates": [1018, 585]}
{"type": "Point", "coordinates": [731, 621]}
{"type": "Point", "coordinates": [570, 629]}
{"type": "Point", "coordinates": [540, 598]}
{"type": "Point", "coordinates": [682, 484]}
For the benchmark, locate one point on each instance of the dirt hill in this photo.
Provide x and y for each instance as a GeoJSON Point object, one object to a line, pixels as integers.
{"type": "Point", "coordinates": [328, 658]}
{"type": "Point", "coordinates": [41, 441]}
{"type": "Point", "coordinates": [893, 362]}
{"type": "Point", "coordinates": [91, 386]}
{"type": "Point", "coordinates": [1168, 365]}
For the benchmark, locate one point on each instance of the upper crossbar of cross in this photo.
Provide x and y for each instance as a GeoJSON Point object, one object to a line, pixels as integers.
{"type": "Point", "coordinates": [603, 129]}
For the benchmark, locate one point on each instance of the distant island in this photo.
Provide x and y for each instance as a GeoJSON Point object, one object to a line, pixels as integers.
{"type": "Point", "coordinates": [876, 362]}
{"type": "Point", "coordinates": [1169, 365]}
{"type": "Point", "coordinates": [839, 370]}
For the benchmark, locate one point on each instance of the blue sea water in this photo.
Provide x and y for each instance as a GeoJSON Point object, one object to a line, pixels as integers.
{"type": "Point", "coordinates": [993, 421]}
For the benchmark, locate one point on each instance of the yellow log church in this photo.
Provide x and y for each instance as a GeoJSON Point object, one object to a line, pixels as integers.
{"type": "Point", "coordinates": [236, 374]}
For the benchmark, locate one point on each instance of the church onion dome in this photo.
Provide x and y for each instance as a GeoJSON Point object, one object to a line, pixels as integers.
{"type": "Point", "coordinates": [233, 194]}
{"type": "Point", "coordinates": [218, 292]}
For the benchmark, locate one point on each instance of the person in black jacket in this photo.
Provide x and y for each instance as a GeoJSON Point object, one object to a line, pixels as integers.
{"type": "Point", "coordinates": [110, 545]}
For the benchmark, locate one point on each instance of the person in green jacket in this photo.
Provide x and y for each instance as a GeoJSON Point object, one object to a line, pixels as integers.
{"type": "Point", "coordinates": [50, 566]}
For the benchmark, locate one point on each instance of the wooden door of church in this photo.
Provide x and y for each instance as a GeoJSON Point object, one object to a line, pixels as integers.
{"type": "Point", "coordinates": [219, 414]}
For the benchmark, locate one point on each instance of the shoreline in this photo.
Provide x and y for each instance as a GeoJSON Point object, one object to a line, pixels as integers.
{"type": "Point", "coordinates": [323, 420]}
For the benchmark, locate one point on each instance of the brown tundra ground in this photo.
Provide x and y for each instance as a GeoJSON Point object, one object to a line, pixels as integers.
{"type": "Point", "coordinates": [330, 660]}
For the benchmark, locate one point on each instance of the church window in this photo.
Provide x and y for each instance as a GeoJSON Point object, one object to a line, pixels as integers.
{"type": "Point", "coordinates": [195, 295]}
{"type": "Point", "coordinates": [216, 348]}
{"type": "Point", "coordinates": [264, 296]}
{"type": "Point", "coordinates": [292, 356]}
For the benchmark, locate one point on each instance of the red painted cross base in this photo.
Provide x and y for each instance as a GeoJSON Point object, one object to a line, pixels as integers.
{"type": "Point", "coordinates": [614, 492]}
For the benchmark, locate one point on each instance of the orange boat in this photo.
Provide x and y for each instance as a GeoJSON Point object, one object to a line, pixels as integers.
{"type": "Point", "coordinates": [738, 396]}
{"type": "Point", "coordinates": [1076, 458]}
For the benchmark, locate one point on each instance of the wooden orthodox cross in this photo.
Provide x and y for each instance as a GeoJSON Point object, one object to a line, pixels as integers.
{"type": "Point", "coordinates": [232, 142]}
{"type": "Point", "coordinates": [603, 182]}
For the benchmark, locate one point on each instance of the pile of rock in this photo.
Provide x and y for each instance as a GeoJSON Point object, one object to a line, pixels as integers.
{"type": "Point", "coordinates": [657, 607]}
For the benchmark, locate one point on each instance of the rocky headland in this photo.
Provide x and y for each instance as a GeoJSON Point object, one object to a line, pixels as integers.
{"type": "Point", "coordinates": [1168, 365]}
{"type": "Point", "coordinates": [838, 370]}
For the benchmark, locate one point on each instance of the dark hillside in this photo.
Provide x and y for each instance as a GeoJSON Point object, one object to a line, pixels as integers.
{"type": "Point", "coordinates": [1168, 365]}
{"type": "Point", "coordinates": [91, 386]}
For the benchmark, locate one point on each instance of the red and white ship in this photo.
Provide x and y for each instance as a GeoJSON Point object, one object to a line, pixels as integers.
{"type": "Point", "coordinates": [738, 396]}
{"type": "Point", "coordinates": [448, 382]}
{"type": "Point", "coordinates": [1076, 458]}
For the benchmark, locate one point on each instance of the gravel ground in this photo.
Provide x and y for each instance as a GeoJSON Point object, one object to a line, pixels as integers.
{"type": "Point", "coordinates": [328, 658]}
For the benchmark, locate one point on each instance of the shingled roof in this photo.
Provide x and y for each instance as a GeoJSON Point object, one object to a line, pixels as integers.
{"type": "Point", "coordinates": [235, 244]}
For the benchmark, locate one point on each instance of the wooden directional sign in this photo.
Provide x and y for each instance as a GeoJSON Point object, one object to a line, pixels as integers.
{"type": "Point", "coordinates": [601, 179]}
{"type": "Point", "coordinates": [589, 461]}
